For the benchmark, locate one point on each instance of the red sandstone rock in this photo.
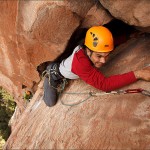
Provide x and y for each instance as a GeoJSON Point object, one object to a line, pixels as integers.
{"type": "Point", "coordinates": [34, 32]}
{"type": "Point", "coordinates": [133, 12]}
{"type": "Point", "coordinates": [103, 122]}
{"type": "Point", "coordinates": [28, 38]}
{"type": "Point", "coordinates": [97, 15]}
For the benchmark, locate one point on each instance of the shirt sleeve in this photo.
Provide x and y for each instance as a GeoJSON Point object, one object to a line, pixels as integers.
{"type": "Point", "coordinates": [83, 68]}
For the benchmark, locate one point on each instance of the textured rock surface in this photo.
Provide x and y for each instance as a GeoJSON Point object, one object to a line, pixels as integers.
{"type": "Point", "coordinates": [35, 32]}
{"type": "Point", "coordinates": [133, 12]}
{"type": "Point", "coordinates": [104, 122]}
{"type": "Point", "coordinates": [38, 31]}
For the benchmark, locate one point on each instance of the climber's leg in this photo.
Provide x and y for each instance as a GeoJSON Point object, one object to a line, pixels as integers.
{"type": "Point", "coordinates": [52, 80]}
{"type": "Point", "coordinates": [50, 94]}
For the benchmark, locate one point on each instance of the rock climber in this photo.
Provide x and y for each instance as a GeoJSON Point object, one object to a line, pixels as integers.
{"type": "Point", "coordinates": [85, 62]}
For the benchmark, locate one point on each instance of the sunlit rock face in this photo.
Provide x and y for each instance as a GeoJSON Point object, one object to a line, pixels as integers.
{"type": "Point", "coordinates": [35, 32]}
{"type": "Point", "coordinates": [39, 31]}
{"type": "Point", "coordinates": [132, 12]}
{"type": "Point", "coordinates": [118, 121]}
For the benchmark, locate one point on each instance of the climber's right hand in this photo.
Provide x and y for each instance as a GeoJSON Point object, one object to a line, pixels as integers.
{"type": "Point", "coordinates": [143, 74]}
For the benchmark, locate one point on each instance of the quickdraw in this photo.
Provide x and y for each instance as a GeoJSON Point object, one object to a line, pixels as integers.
{"type": "Point", "coordinates": [90, 94]}
{"type": "Point", "coordinates": [128, 91]}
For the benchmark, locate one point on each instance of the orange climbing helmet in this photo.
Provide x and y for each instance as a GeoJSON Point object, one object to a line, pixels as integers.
{"type": "Point", "coordinates": [99, 39]}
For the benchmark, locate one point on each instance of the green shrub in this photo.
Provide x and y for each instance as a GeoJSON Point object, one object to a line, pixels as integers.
{"type": "Point", "coordinates": [7, 107]}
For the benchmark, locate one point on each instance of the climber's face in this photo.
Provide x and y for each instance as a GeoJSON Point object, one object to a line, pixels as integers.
{"type": "Point", "coordinates": [98, 58]}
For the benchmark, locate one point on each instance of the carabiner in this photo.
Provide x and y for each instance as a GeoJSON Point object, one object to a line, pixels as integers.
{"type": "Point", "coordinates": [133, 91]}
{"type": "Point", "coordinates": [142, 91]}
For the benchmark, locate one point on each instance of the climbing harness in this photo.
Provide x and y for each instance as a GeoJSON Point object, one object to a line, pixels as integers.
{"type": "Point", "coordinates": [53, 75]}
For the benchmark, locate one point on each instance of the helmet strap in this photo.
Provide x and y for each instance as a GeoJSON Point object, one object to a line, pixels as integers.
{"type": "Point", "coordinates": [91, 52]}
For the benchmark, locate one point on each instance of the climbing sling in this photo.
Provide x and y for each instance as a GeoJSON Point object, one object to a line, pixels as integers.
{"type": "Point", "coordinates": [53, 75]}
